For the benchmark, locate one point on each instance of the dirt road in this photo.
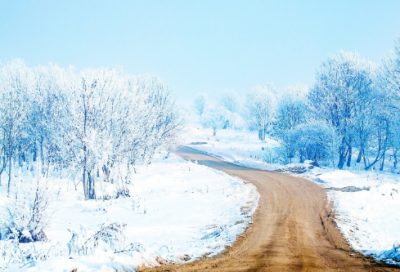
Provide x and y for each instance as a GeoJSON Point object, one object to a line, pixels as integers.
{"type": "Point", "coordinates": [292, 230]}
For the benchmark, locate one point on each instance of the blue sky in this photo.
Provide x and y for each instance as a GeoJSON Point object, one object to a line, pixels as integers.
{"type": "Point", "coordinates": [198, 46]}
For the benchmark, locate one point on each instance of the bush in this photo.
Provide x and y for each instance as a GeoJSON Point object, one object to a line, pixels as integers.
{"type": "Point", "coordinates": [27, 215]}
{"type": "Point", "coordinates": [314, 141]}
{"type": "Point", "coordinates": [111, 235]}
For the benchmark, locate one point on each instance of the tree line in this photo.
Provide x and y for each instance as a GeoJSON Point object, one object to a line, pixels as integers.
{"type": "Point", "coordinates": [351, 112]}
{"type": "Point", "coordinates": [99, 123]}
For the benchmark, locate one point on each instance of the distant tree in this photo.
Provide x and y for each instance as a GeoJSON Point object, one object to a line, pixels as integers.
{"type": "Point", "coordinates": [230, 100]}
{"type": "Point", "coordinates": [15, 87]}
{"type": "Point", "coordinates": [261, 106]}
{"type": "Point", "coordinates": [48, 116]}
{"type": "Point", "coordinates": [292, 108]}
{"type": "Point", "coordinates": [200, 103]}
{"type": "Point", "coordinates": [389, 86]}
{"type": "Point", "coordinates": [390, 76]}
{"type": "Point", "coordinates": [215, 118]}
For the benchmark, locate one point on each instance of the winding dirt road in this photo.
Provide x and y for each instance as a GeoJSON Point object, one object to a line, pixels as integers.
{"type": "Point", "coordinates": [293, 228]}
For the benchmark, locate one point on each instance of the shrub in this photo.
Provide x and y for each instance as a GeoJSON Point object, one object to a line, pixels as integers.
{"type": "Point", "coordinates": [27, 214]}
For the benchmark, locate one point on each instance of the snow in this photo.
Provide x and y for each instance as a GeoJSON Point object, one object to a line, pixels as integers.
{"type": "Point", "coordinates": [369, 219]}
{"type": "Point", "coordinates": [178, 212]}
{"type": "Point", "coordinates": [239, 147]}
{"type": "Point", "coordinates": [367, 215]}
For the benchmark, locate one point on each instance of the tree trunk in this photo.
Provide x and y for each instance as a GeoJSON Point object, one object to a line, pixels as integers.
{"type": "Point", "coordinates": [261, 134]}
{"type": "Point", "coordinates": [349, 157]}
{"type": "Point", "coordinates": [89, 184]}
{"type": "Point", "coordinates": [301, 158]}
{"type": "Point", "coordinates": [9, 176]}
{"type": "Point", "coordinates": [342, 154]}
{"type": "Point", "coordinates": [91, 189]}
{"type": "Point", "coordinates": [383, 161]}
{"type": "Point", "coordinates": [85, 191]}
{"type": "Point", "coordinates": [34, 153]}
{"type": "Point", "coordinates": [359, 156]}
{"type": "Point", "coordinates": [226, 125]}
{"type": "Point", "coordinates": [106, 173]}
{"type": "Point", "coordinates": [342, 159]}
{"type": "Point", "coordinates": [42, 155]}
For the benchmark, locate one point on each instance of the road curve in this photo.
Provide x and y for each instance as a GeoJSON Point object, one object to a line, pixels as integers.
{"type": "Point", "coordinates": [293, 228]}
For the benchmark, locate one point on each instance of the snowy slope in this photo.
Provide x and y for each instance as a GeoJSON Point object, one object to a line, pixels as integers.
{"type": "Point", "coordinates": [178, 212]}
{"type": "Point", "coordinates": [367, 215]}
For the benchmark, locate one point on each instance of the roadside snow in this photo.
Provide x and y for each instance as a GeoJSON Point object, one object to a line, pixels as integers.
{"type": "Point", "coordinates": [369, 217]}
{"type": "Point", "coordinates": [367, 208]}
{"type": "Point", "coordinates": [178, 212]}
{"type": "Point", "coordinates": [239, 147]}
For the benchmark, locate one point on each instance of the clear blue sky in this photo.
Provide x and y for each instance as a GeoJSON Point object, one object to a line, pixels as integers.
{"type": "Point", "coordinates": [198, 46]}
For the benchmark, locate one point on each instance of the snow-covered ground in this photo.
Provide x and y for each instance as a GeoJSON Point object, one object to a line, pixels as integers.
{"type": "Point", "coordinates": [177, 211]}
{"type": "Point", "coordinates": [368, 218]}
{"type": "Point", "coordinates": [239, 147]}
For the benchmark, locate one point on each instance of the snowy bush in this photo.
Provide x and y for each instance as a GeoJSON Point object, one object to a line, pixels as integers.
{"type": "Point", "coordinates": [15, 254]}
{"type": "Point", "coordinates": [109, 237]}
{"type": "Point", "coordinates": [28, 213]}
{"type": "Point", "coordinates": [284, 153]}
{"type": "Point", "coordinates": [312, 141]}
{"type": "Point", "coordinates": [270, 154]}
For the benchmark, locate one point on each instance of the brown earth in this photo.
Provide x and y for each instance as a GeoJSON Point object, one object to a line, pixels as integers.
{"type": "Point", "coordinates": [293, 228]}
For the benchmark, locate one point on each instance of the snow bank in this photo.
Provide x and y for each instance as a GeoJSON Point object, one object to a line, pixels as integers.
{"type": "Point", "coordinates": [369, 218]}
{"type": "Point", "coordinates": [178, 212]}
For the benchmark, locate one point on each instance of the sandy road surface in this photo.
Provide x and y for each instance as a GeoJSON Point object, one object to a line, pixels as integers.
{"type": "Point", "coordinates": [292, 230]}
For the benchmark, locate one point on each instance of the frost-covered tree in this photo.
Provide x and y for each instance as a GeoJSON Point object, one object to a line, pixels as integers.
{"type": "Point", "coordinates": [15, 87]}
{"type": "Point", "coordinates": [215, 118]}
{"type": "Point", "coordinates": [200, 103]}
{"type": "Point", "coordinates": [98, 123]}
{"type": "Point", "coordinates": [261, 106]}
{"type": "Point", "coordinates": [230, 100]}
{"type": "Point", "coordinates": [90, 114]}
{"type": "Point", "coordinates": [390, 76]}
{"type": "Point", "coordinates": [389, 87]}
{"type": "Point", "coordinates": [292, 108]}
{"type": "Point", "coordinates": [49, 115]}
{"type": "Point", "coordinates": [342, 94]}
